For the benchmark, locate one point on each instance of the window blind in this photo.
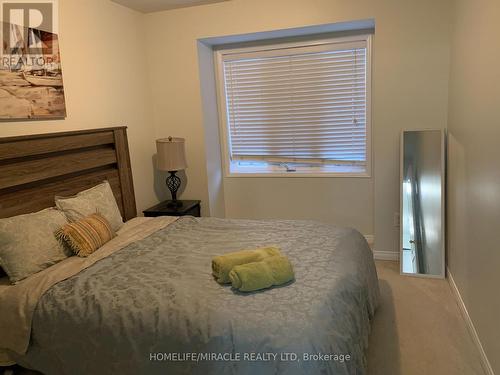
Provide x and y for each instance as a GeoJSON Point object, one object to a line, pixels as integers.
{"type": "Point", "coordinates": [304, 105]}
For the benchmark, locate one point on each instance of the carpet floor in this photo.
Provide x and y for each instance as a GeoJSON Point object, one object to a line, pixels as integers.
{"type": "Point", "coordinates": [419, 329]}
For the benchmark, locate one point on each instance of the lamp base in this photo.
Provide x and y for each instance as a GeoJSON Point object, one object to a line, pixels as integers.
{"type": "Point", "coordinates": [173, 184]}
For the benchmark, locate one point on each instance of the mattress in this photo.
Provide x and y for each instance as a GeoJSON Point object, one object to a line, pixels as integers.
{"type": "Point", "coordinates": [153, 307]}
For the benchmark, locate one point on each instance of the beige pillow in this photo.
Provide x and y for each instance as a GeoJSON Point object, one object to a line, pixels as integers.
{"type": "Point", "coordinates": [99, 199]}
{"type": "Point", "coordinates": [87, 235]}
{"type": "Point", "coordinates": [28, 244]}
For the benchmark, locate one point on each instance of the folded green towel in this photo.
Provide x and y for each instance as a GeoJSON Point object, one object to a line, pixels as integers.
{"type": "Point", "coordinates": [223, 264]}
{"type": "Point", "coordinates": [271, 271]}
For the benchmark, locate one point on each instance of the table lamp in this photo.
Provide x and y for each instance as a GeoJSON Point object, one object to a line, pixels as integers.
{"type": "Point", "coordinates": [172, 158]}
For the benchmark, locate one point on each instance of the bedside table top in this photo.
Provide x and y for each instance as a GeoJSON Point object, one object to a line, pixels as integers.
{"type": "Point", "coordinates": [164, 209]}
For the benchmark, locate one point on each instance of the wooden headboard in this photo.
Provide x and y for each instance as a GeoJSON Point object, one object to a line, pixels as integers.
{"type": "Point", "coordinates": [35, 168]}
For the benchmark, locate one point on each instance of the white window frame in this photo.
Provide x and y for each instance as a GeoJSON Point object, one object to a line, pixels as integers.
{"type": "Point", "coordinates": [280, 171]}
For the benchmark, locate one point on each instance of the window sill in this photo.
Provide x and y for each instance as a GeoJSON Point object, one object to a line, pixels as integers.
{"type": "Point", "coordinates": [299, 172]}
{"type": "Point", "coordinates": [298, 175]}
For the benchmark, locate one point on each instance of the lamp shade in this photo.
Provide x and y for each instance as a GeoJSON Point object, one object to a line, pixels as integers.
{"type": "Point", "coordinates": [171, 154]}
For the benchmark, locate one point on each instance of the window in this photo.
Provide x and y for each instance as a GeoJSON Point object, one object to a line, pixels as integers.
{"type": "Point", "coordinates": [297, 109]}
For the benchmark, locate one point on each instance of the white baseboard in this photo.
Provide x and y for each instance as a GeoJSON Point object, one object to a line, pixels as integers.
{"type": "Point", "coordinates": [381, 255]}
{"type": "Point", "coordinates": [385, 255]}
{"type": "Point", "coordinates": [470, 325]}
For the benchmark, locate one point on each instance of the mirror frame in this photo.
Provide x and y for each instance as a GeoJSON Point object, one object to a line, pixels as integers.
{"type": "Point", "coordinates": [443, 135]}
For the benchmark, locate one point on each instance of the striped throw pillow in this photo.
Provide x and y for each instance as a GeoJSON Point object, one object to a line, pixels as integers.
{"type": "Point", "coordinates": [86, 235]}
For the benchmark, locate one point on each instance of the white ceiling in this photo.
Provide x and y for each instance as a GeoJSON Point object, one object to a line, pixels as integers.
{"type": "Point", "coordinates": [148, 6]}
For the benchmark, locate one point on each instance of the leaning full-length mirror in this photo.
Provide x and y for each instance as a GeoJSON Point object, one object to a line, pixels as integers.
{"type": "Point", "coordinates": [422, 203]}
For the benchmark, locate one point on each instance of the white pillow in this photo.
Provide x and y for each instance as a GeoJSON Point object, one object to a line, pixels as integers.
{"type": "Point", "coordinates": [28, 244]}
{"type": "Point", "coordinates": [99, 199]}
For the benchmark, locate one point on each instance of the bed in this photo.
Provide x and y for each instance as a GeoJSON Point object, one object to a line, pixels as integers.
{"type": "Point", "coordinates": [146, 303]}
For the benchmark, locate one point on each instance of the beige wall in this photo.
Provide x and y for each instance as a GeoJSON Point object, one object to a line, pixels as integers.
{"type": "Point", "coordinates": [410, 83]}
{"type": "Point", "coordinates": [474, 173]}
{"type": "Point", "coordinates": [103, 69]}
{"type": "Point", "coordinates": [109, 80]}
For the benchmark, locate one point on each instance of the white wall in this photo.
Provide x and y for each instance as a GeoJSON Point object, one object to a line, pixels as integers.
{"type": "Point", "coordinates": [103, 62]}
{"type": "Point", "coordinates": [473, 167]}
{"type": "Point", "coordinates": [410, 90]}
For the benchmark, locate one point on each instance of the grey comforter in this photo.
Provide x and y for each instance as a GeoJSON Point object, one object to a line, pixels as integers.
{"type": "Point", "coordinates": [154, 308]}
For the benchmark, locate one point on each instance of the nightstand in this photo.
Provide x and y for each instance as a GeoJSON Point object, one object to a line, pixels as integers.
{"type": "Point", "coordinates": [188, 208]}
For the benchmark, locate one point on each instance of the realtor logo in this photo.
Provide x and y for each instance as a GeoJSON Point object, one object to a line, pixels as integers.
{"type": "Point", "coordinates": [22, 20]}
